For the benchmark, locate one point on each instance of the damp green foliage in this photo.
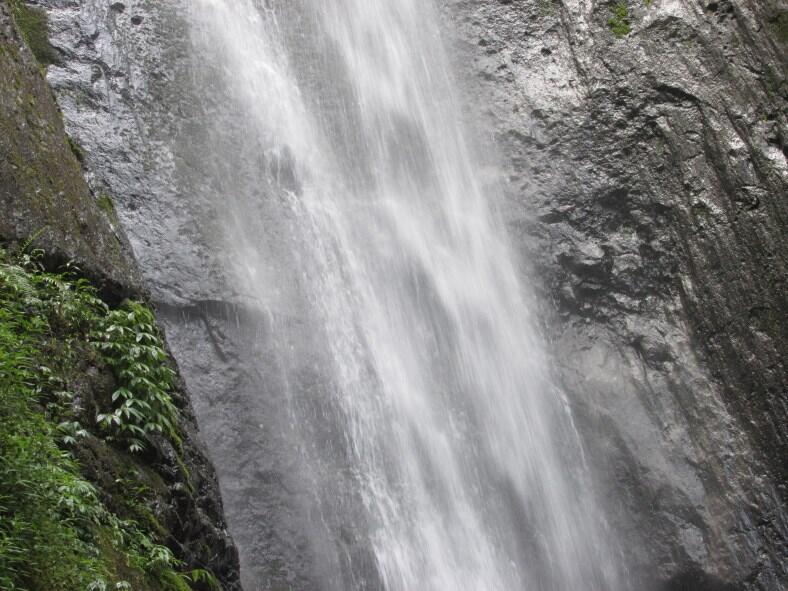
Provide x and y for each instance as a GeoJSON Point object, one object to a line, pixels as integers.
{"type": "Point", "coordinates": [619, 21]}
{"type": "Point", "coordinates": [131, 345]}
{"type": "Point", "coordinates": [648, 3]}
{"type": "Point", "coordinates": [206, 578]}
{"type": "Point", "coordinates": [43, 503]}
{"type": "Point", "coordinates": [34, 26]}
{"type": "Point", "coordinates": [55, 531]}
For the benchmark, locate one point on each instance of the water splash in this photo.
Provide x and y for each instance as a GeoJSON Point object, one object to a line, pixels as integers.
{"type": "Point", "coordinates": [450, 457]}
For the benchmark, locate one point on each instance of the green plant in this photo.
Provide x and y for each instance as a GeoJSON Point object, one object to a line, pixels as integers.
{"type": "Point", "coordinates": [55, 531]}
{"type": "Point", "coordinates": [200, 575]}
{"type": "Point", "coordinates": [619, 21]}
{"type": "Point", "coordinates": [131, 345]}
{"type": "Point", "coordinates": [45, 507]}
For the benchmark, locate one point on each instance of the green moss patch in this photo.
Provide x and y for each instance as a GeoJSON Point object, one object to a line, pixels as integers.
{"type": "Point", "coordinates": [779, 24]}
{"type": "Point", "coordinates": [776, 85]}
{"type": "Point", "coordinates": [619, 21]}
{"type": "Point", "coordinates": [107, 205]}
{"type": "Point", "coordinates": [548, 7]}
{"type": "Point", "coordinates": [76, 149]}
{"type": "Point", "coordinates": [34, 25]}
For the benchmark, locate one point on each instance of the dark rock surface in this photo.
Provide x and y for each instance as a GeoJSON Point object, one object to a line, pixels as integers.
{"type": "Point", "coordinates": [45, 200]}
{"type": "Point", "coordinates": [647, 186]}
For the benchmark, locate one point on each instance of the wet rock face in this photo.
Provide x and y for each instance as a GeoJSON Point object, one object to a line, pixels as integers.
{"type": "Point", "coordinates": [43, 196]}
{"type": "Point", "coordinates": [646, 188]}
{"type": "Point", "coordinates": [114, 83]}
{"type": "Point", "coordinates": [127, 92]}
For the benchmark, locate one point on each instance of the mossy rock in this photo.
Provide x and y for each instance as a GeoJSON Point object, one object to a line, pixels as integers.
{"type": "Point", "coordinates": [107, 205]}
{"type": "Point", "coordinates": [34, 26]}
{"type": "Point", "coordinates": [779, 24]}
{"type": "Point", "coordinates": [42, 188]}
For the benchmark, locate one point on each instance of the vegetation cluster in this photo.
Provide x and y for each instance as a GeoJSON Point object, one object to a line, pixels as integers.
{"type": "Point", "coordinates": [619, 20]}
{"type": "Point", "coordinates": [58, 530]}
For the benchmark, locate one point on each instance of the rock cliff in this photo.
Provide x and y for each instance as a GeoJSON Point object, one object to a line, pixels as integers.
{"type": "Point", "coordinates": [644, 151]}
{"type": "Point", "coordinates": [46, 204]}
{"type": "Point", "coordinates": [42, 191]}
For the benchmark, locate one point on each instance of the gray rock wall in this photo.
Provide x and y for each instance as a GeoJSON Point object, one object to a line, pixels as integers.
{"type": "Point", "coordinates": [646, 185]}
{"type": "Point", "coordinates": [129, 96]}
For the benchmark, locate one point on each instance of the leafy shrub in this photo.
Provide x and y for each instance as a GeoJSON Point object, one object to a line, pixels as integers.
{"type": "Point", "coordinates": [131, 345]}
{"type": "Point", "coordinates": [46, 507]}
{"type": "Point", "coordinates": [55, 531]}
{"type": "Point", "coordinates": [41, 497]}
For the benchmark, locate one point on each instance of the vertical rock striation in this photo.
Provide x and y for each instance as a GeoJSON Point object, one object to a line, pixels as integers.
{"type": "Point", "coordinates": [644, 147]}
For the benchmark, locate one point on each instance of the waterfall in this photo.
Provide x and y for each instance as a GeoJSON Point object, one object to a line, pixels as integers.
{"type": "Point", "coordinates": [437, 452]}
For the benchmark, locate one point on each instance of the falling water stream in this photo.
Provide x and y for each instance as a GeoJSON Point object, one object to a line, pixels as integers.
{"type": "Point", "coordinates": [436, 441]}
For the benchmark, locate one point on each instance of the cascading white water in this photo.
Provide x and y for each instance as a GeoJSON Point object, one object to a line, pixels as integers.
{"type": "Point", "coordinates": [456, 454]}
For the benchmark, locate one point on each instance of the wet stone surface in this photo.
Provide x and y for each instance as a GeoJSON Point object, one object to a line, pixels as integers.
{"type": "Point", "coordinates": [645, 183]}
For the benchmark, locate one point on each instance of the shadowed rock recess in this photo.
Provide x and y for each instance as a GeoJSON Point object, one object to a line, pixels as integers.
{"type": "Point", "coordinates": [45, 203]}
{"type": "Point", "coordinates": [643, 147]}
